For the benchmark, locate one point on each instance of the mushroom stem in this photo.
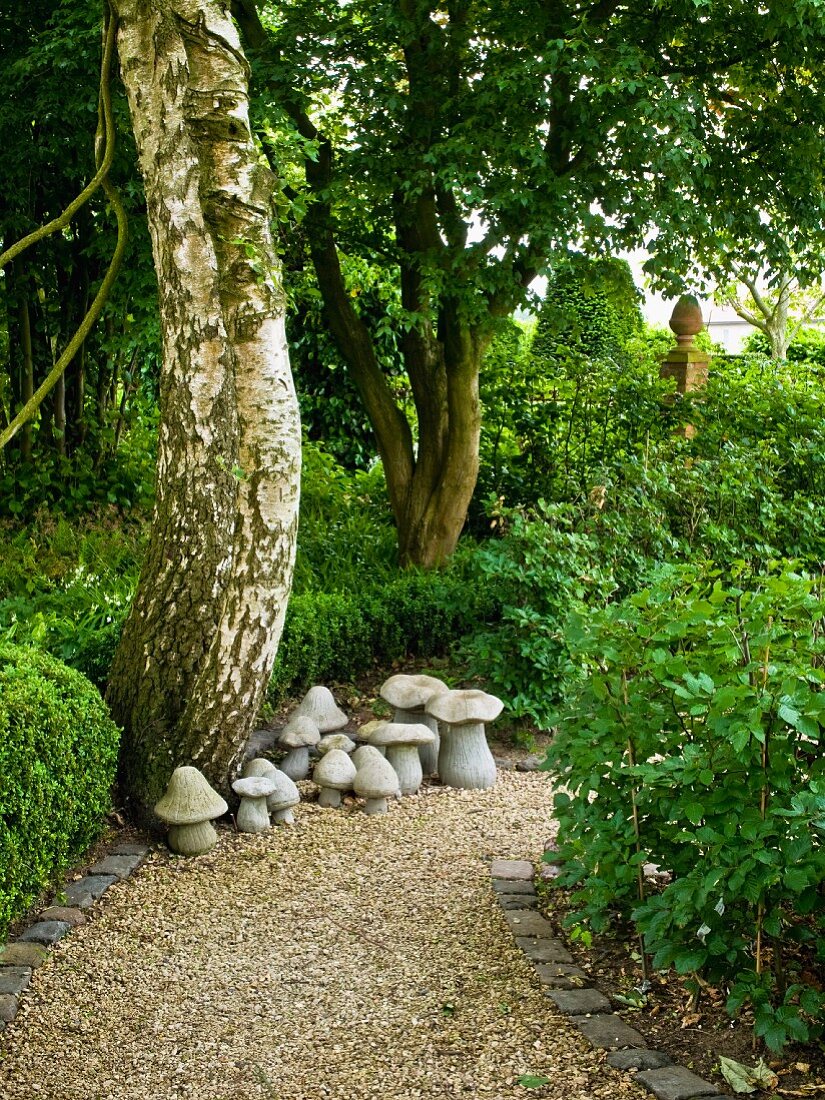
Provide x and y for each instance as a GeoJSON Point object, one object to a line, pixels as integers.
{"type": "Point", "coordinates": [407, 764]}
{"type": "Point", "coordinates": [194, 839]}
{"type": "Point", "coordinates": [375, 806]}
{"type": "Point", "coordinates": [464, 759]}
{"type": "Point", "coordinates": [253, 816]}
{"type": "Point", "coordinates": [284, 817]}
{"type": "Point", "coordinates": [428, 754]}
{"type": "Point", "coordinates": [296, 763]}
{"type": "Point", "coordinates": [329, 797]}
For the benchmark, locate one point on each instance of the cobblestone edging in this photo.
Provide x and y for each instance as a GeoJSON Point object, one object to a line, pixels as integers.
{"type": "Point", "coordinates": [18, 958]}
{"type": "Point", "coordinates": [586, 1007]}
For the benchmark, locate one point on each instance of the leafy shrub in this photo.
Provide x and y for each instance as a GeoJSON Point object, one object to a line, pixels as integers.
{"type": "Point", "coordinates": [58, 749]}
{"type": "Point", "coordinates": [694, 743]}
{"type": "Point", "coordinates": [333, 636]}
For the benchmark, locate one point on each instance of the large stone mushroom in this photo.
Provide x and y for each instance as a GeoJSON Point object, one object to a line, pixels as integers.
{"type": "Point", "coordinates": [188, 807]}
{"type": "Point", "coordinates": [333, 773]}
{"type": "Point", "coordinates": [253, 814]}
{"type": "Point", "coordinates": [408, 696]}
{"type": "Point", "coordinates": [319, 705]}
{"type": "Point", "coordinates": [298, 735]}
{"type": "Point", "coordinates": [464, 759]}
{"type": "Point", "coordinates": [402, 741]}
{"type": "Point", "coordinates": [376, 781]}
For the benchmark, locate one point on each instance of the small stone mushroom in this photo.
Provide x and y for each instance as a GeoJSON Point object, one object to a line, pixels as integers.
{"type": "Point", "coordinates": [283, 798]}
{"type": "Point", "coordinates": [335, 741]}
{"type": "Point", "coordinates": [376, 781]}
{"type": "Point", "coordinates": [402, 741]}
{"type": "Point", "coordinates": [364, 752]}
{"type": "Point", "coordinates": [465, 760]}
{"type": "Point", "coordinates": [408, 696]}
{"type": "Point", "coordinates": [253, 816]}
{"type": "Point", "coordinates": [188, 808]}
{"type": "Point", "coordinates": [319, 705]}
{"type": "Point", "coordinates": [297, 735]}
{"type": "Point", "coordinates": [333, 773]}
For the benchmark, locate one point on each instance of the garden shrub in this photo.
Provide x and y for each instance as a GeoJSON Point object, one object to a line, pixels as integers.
{"type": "Point", "coordinates": [58, 749]}
{"type": "Point", "coordinates": [695, 743]}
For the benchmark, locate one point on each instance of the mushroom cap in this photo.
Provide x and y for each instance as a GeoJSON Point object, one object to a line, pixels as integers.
{"type": "Point", "coordinates": [335, 770]}
{"type": "Point", "coordinates": [299, 732]}
{"type": "Point", "coordinates": [319, 705]}
{"type": "Point", "coordinates": [189, 799]}
{"type": "Point", "coordinates": [460, 707]}
{"type": "Point", "coordinates": [335, 741]}
{"type": "Point", "coordinates": [402, 733]}
{"type": "Point", "coordinates": [363, 753]}
{"type": "Point", "coordinates": [376, 778]}
{"type": "Point", "coordinates": [258, 766]}
{"type": "Point", "coordinates": [254, 786]}
{"type": "Point", "coordinates": [363, 733]}
{"type": "Point", "coordinates": [411, 692]}
{"type": "Point", "coordinates": [286, 794]}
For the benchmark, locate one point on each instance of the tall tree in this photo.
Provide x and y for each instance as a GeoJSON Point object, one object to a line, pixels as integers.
{"type": "Point", "coordinates": [469, 143]}
{"type": "Point", "coordinates": [199, 644]}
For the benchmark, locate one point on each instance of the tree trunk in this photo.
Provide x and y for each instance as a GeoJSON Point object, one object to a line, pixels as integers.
{"type": "Point", "coordinates": [197, 650]}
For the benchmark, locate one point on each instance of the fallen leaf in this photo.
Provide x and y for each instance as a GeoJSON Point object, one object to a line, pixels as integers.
{"type": "Point", "coordinates": [747, 1078]}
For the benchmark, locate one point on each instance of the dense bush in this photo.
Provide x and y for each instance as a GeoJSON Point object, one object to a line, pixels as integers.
{"type": "Point", "coordinates": [695, 742]}
{"type": "Point", "coordinates": [58, 749]}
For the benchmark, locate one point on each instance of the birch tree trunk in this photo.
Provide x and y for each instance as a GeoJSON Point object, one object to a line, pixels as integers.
{"type": "Point", "coordinates": [198, 647]}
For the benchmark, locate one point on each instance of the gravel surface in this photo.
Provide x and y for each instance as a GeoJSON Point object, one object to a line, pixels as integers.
{"type": "Point", "coordinates": [346, 958]}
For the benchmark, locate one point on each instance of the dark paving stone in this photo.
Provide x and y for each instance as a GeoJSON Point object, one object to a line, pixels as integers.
{"type": "Point", "coordinates": [87, 890]}
{"type": "Point", "coordinates": [120, 866]}
{"type": "Point", "coordinates": [31, 955]}
{"type": "Point", "coordinates": [544, 951]}
{"type": "Point", "coordinates": [128, 848]}
{"type": "Point", "coordinates": [519, 869]}
{"type": "Point", "coordinates": [46, 931]}
{"type": "Point", "coordinates": [675, 1083]}
{"type": "Point", "coordinates": [523, 922]}
{"type": "Point", "coordinates": [8, 1007]}
{"type": "Point", "coordinates": [579, 1002]}
{"type": "Point", "coordinates": [14, 979]}
{"type": "Point", "coordinates": [513, 886]}
{"type": "Point", "coordinates": [608, 1032]}
{"type": "Point", "coordinates": [561, 976]}
{"type": "Point", "coordinates": [74, 917]}
{"type": "Point", "coordinates": [530, 763]}
{"type": "Point", "coordinates": [517, 901]}
{"type": "Point", "coordinates": [638, 1059]}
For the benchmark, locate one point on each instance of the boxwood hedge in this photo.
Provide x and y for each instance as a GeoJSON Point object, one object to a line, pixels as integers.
{"type": "Point", "coordinates": [58, 749]}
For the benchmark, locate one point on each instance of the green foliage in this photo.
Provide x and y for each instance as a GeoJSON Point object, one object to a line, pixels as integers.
{"type": "Point", "coordinates": [808, 347]}
{"type": "Point", "coordinates": [702, 705]}
{"type": "Point", "coordinates": [58, 749]}
{"type": "Point", "coordinates": [590, 307]}
{"type": "Point", "coordinates": [334, 636]}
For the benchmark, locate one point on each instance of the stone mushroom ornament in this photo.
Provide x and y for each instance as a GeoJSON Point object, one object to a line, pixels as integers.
{"type": "Point", "coordinates": [408, 696]}
{"type": "Point", "coordinates": [297, 736]}
{"type": "Point", "coordinates": [285, 795]}
{"type": "Point", "coordinates": [375, 782]}
{"type": "Point", "coordinates": [319, 705]}
{"type": "Point", "coordinates": [464, 759]}
{"type": "Point", "coordinates": [402, 741]}
{"type": "Point", "coordinates": [253, 815]}
{"type": "Point", "coordinates": [188, 807]}
{"type": "Point", "coordinates": [333, 773]}
{"type": "Point", "coordinates": [335, 741]}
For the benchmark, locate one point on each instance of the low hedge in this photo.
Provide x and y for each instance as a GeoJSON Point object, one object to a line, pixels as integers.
{"type": "Point", "coordinates": [58, 750]}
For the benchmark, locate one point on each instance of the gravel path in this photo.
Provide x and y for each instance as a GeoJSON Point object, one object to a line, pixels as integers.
{"type": "Point", "coordinates": [347, 958]}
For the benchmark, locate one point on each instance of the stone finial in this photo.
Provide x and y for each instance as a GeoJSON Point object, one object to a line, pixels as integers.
{"type": "Point", "coordinates": [686, 321]}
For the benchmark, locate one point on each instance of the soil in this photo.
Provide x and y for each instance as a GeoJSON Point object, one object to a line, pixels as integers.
{"type": "Point", "coordinates": [693, 1034]}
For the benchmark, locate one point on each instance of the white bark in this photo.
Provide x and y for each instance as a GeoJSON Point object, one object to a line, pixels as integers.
{"type": "Point", "coordinates": [198, 649]}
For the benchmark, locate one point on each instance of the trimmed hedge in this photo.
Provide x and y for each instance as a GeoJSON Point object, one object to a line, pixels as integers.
{"type": "Point", "coordinates": [58, 750]}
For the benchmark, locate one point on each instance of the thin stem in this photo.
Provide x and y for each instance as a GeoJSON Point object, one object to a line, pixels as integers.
{"type": "Point", "coordinates": [640, 878]}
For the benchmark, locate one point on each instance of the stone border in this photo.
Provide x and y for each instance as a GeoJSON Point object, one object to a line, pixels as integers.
{"type": "Point", "coordinates": [18, 958]}
{"type": "Point", "coordinates": [587, 1008]}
